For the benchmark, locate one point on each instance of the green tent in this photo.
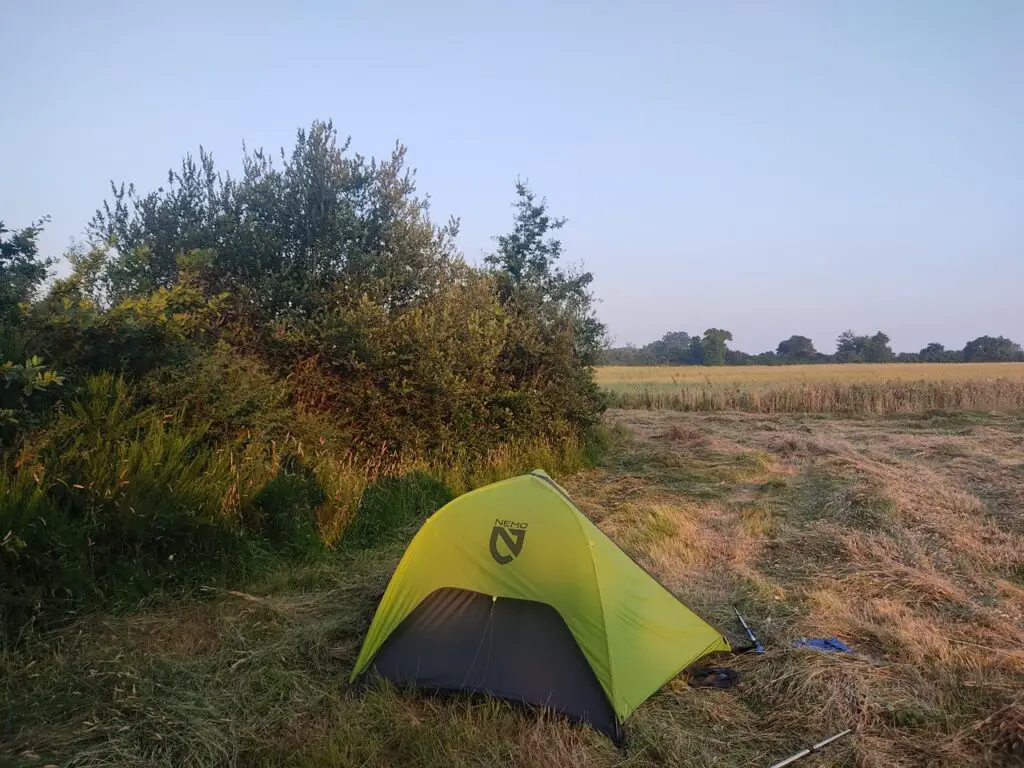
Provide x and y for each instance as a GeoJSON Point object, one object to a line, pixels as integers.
{"type": "Point", "coordinates": [510, 590]}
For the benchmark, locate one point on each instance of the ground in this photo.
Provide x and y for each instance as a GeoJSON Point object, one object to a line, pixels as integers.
{"type": "Point", "coordinates": [901, 535]}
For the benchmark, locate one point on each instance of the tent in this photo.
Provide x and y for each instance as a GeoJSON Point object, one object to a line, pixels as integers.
{"type": "Point", "coordinates": [511, 591]}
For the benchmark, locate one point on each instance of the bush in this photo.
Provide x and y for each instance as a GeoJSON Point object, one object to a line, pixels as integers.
{"type": "Point", "coordinates": [112, 502]}
{"type": "Point", "coordinates": [247, 375]}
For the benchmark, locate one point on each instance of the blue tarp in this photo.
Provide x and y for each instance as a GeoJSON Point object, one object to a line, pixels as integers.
{"type": "Point", "coordinates": [825, 645]}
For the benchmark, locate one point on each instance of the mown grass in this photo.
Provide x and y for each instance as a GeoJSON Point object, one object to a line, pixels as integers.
{"type": "Point", "coordinates": [829, 389]}
{"type": "Point", "coordinates": [814, 527]}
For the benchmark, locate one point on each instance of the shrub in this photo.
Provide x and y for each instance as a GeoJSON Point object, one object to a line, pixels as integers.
{"type": "Point", "coordinates": [267, 366]}
{"type": "Point", "coordinates": [112, 502]}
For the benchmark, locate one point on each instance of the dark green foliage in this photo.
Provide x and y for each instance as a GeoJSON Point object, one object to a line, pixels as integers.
{"type": "Point", "coordinates": [26, 389]}
{"type": "Point", "coordinates": [796, 349]}
{"type": "Point", "coordinates": [673, 348]}
{"type": "Point", "coordinates": [679, 348]}
{"type": "Point", "coordinates": [284, 510]}
{"type": "Point", "coordinates": [27, 385]}
{"type": "Point", "coordinates": [111, 502]}
{"type": "Point", "coordinates": [851, 348]}
{"type": "Point", "coordinates": [531, 280]}
{"type": "Point", "coordinates": [989, 349]}
{"type": "Point", "coordinates": [281, 238]}
{"type": "Point", "coordinates": [712, 346]}
{"type": "Point", "coordinates": [936, 353]}
{"type": "Point", "coordinates": [22, 272]}
{"type": "Point", "coordinates": [392, 508]}
{"type": "Point", "coordinates": [631, 355]}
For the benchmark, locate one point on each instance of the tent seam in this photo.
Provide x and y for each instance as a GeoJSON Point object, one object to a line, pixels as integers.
{"type": "Point", "coordinates": [600, 595]}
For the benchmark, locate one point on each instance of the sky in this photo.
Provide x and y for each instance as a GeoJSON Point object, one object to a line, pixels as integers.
{"type": "Point", "coordinates": [771, 168]}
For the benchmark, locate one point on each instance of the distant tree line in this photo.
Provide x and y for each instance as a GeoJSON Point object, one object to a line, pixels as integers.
{"type": "Point", "coordinates": [710, 348]}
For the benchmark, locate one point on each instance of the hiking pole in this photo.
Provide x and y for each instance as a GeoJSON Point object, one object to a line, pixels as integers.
{"type": "Point", "coordinates": [813, 748]}
{"type": "Point", "coordinates": [758, 648]}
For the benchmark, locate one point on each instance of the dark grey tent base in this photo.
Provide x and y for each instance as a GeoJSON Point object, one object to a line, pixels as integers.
{"type": "Point", "coordinates": [520, 650]}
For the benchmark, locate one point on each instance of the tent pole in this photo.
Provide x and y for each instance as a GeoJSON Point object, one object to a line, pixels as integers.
{"type": "Point", "coordinates": [757, 647]}
{"type": "Point", "coordinates": [813, 748]}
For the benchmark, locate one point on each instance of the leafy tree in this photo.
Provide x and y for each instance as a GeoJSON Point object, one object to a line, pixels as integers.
{"type": "Point", "coordinates": [736, 357]}
{"type": "Point", "coordinates": [796, 349]}
{"type": "Point", "coordinates": [992, 349]}
{"type": "Point", "coordinates": [853, 348]}
{"type": "Point", "coordinates": [22, 272]}
{"type": "Point", "coordinates": [673, 348]}
{"type": "Point", "coordinates": [850, 347]}
{"type": "Point", "coordinates": [628, 355]}
{"type": "Point", "coordinates": [876, 349]}
{"type": "Point", "coordinates": [526, 263]}
{"type": "Point", "coordinates": [712, 346]}
{"type": "Point", "coordinates": [937, 353]}
{"type": "Point", "coordinates": [284, 239]}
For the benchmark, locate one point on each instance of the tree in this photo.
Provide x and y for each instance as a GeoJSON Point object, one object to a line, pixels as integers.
{"type": "Point", "coordinates": [286, 240]}
{"type": "Point", "coordinates": [530, 277]}
{"type": "Point", "coordinates": [673, 348]}
{"type": "Point", "coordinates": [22, 272]}
{"type": "Point", "coordinates": [992, 349]}
{"type": "Point", "coordinates": [876, 349]}
{"type": "Point", "coordinates": [936, 353]}
{"type": "Point", "coordinates": [796, 349]}
{"type": "Point", "coordinates": [712, 346]}
{"type": "Point", "coordinates": [849, 347]}
{"type": "Point", "coordinates": [853, 348]}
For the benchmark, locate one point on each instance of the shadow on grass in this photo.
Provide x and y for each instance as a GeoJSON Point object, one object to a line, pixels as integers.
{"type": "Point", "coordinates": [392, 509]}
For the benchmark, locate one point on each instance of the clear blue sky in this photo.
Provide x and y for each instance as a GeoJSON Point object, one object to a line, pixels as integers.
{"type": "Point", "coordinates": [767, 167]}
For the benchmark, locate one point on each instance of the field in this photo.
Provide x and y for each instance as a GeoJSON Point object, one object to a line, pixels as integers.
{"type": "Point", "coordinates": [901, 535]}
{"type": "Point", "coordinates": [883, 388]}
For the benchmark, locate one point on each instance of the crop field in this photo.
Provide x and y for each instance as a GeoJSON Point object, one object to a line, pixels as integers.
{"type": "Point", "coordinates": [883, 388]}
{"type": "Point", "coordinates": [900, 535]}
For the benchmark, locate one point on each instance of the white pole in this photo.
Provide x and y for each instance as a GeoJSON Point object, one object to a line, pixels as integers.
{"type": "Point", "coordinates": [807, 750]}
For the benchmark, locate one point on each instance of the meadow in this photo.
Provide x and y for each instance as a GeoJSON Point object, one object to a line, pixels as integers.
{"type": "Point", "coordinates": [870, 388]}
{"type": "Point", "coordinates": [900, 535]}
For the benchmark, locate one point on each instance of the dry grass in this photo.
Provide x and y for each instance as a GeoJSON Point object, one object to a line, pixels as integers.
{"type": "Point", "coordinates": [902, 536]}
{"type": "Point", "coordinates": [832, 389]}
{"type": "Point", "coordinates": [617, 375]}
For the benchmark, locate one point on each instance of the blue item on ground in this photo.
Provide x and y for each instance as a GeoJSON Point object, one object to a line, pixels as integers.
{"type": "Point", "coordinates": [825, 645]}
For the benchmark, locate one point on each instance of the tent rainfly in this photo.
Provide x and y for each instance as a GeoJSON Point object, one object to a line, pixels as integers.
{"type": "Point", "coordinates": [511, 591]}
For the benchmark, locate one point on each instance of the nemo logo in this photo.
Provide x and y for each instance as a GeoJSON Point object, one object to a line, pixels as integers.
{"type": "Point", "coordinates": [512, 535]}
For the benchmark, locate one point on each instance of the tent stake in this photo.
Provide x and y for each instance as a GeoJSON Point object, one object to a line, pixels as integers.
{"type": "Point", "coordinates": [808, 750]}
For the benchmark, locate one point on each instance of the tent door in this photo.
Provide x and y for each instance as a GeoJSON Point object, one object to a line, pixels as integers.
{"type": "Point", "coordinates": [521, 650]}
